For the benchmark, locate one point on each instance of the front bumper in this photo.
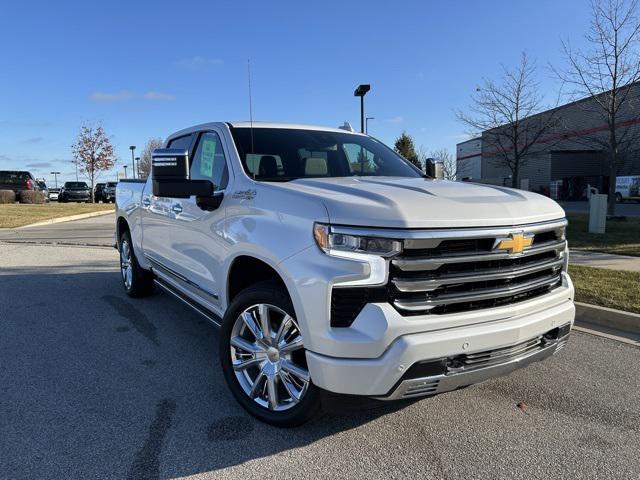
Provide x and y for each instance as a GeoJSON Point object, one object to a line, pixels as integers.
{"type": "Point", "coordinates": [384, 376]}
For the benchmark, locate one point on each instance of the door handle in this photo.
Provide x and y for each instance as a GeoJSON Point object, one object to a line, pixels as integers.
{"type": "Point", "coordinates": [176, 208]}
{"type": "Point", "coordinates": [146, 202]}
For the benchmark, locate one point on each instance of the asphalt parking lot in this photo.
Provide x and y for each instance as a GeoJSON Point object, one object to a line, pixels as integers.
{"type": "Point", "coordinates": [97, 385]}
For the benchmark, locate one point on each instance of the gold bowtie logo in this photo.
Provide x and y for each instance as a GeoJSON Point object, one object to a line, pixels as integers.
{"type": "Point", "coordinates": [516, 244]}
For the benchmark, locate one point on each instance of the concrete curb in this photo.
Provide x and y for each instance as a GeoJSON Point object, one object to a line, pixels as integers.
{"type": "Point", "coordinates": [69, 218]}
{"type": "Point", "coordinates": [608, 318]}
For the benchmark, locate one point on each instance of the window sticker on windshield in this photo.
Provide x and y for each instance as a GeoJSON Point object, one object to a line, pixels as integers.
{"type": "Point", "coordinates": [208, 155]}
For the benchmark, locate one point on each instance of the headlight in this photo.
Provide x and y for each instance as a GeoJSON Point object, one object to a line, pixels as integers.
{"type": "Point", "coordinates": [335, 243]}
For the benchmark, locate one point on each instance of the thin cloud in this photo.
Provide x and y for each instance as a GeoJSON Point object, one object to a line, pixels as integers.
{"type": "Point", "coordinates": [395, 120]}
{"type": "Point", "coordinates": [111, 97]}
{"type": "Point", "coordinates": [39, 165]}
{"type": "Point", "coordinates": [159, 96]}
{"type": "Point", "coordinates": [33, 140]}
{"type": "Point", "coordinates": [195, 62]}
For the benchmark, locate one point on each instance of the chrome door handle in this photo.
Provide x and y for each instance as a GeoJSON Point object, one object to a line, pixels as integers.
{"type": "Point", "coordinates": [146, 202]}
{"type": "Point", "coordinates": [176, 208]}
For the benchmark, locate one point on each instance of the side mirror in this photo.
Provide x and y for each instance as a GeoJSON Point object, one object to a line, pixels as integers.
{"type": "Point", "coordinates": [435, 169]}
{"type": "Point", "coordinates": [170, 175]}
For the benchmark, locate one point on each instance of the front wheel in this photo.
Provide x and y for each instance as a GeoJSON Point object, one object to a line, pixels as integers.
{"type": "Point", "coordinates": [263, 358]}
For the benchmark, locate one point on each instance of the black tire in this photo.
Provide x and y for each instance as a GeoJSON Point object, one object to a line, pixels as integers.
{"type": "Point", "coordinates": [618, 198]}
{"type": "Point", "coordinates": [309, 405]}
{"type": "Point", "coordinates": [140, 281]}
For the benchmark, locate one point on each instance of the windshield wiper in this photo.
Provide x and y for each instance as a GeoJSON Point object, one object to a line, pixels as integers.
{"type": "Point", "coordinates": [275, 179]}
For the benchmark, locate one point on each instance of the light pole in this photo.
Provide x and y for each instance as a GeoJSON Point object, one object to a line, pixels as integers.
{"type": "Point", "coordinates": [133, 161]}
{"type": "Point", "coordinates": [361, 91]}
{"type": "Point", "coordinates": [125, 171]}
{"type": "Point", "coordinates": [366, 124]}
{"type": "Point", "coordinates": [55, 177]}
{"type": "Point", "coordinates": [138, 166]}
{"type": "Point", "coordinates": [75, 162]}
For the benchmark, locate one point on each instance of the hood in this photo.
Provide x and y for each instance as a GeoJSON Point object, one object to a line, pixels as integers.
{"type": "Point", "coordinates": [391, 202]}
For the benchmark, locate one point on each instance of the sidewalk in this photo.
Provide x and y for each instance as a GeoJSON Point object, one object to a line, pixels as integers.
{"type": "Point", "coordinates": [604, 260]}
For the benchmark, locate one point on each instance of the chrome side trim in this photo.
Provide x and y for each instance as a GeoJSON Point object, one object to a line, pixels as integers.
{"type": "Point", "coordinates": [213, 318]}
{"type": "Point", "coordinates": [418, 387]}
{"type": "Point", "coordinates": [425, 285]}
{"type": "Point", "coordinates": [432, 263]}
{"type": "Point", "coordinates": [177, 275]}
{"type": "Point", "coordinates": [481, 294]}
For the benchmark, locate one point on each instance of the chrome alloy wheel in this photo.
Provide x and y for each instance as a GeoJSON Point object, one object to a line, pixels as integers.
{"type": "Point", "coordinates": [268, 358]}
{"type": "Point", "coordinates": [126, 268]}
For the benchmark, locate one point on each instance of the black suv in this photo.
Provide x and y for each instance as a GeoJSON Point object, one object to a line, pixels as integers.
{"type": "Point", "coordinates": [75, 192]}
{"type": "Point", "coordinates": [98, 192]}
{"type": "Point", "coordinates": [18, 181]}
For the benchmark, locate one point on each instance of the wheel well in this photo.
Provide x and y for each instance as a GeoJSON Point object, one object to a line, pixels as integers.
{"type": "Point", "coordinates": [246, 271]}
{"type": "Point", "coordinates": [122, 226]}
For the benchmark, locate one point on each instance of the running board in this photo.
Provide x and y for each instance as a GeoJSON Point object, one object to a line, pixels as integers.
{"type": "Point", "coordinates": [212, 317]}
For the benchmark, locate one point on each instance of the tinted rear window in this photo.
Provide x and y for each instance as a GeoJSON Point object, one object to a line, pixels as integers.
{"type": "Point", "coordinates": [13, 177]}
{"type": "Point", "coordinates": [75, 185]}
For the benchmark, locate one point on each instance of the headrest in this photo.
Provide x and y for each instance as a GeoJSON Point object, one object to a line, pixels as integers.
{"type": "Point", "coordinates": [315, 166]}
{"type": "Point", "coordinates": [268, 166]}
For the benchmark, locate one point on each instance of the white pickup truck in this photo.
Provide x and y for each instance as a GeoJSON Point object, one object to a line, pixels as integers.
{"type": "Point", "coordinates": [331, 263]}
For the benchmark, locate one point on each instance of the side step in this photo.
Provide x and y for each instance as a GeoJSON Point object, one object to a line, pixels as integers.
{"type": "Point", "coordinates": [209, 315]}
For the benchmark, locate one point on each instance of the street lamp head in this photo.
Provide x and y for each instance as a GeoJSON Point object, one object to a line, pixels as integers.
{"type": "Point", "coordinates": [362, 90]}
{"type": "Point", "coordinates": [132, 147]}
{"type": "Point", "coordinates": [137, 159]}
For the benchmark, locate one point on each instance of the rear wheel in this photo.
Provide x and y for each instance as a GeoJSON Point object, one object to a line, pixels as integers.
{"type": "Point", "coordinates": [137, 281]}
{"type": "Point", "coordinates": [263, 357]}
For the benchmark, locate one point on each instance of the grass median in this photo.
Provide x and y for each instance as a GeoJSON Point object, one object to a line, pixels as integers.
{"type": "Point", "coordinates": [607, 288]}
{"type": "Point", "coordinates": [18, 215]}
{"type": "Point", "coordinates": [622, 236]}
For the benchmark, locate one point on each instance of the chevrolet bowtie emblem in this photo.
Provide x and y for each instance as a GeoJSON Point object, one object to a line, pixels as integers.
{"type": "Point", "coordinates": [515, 244]}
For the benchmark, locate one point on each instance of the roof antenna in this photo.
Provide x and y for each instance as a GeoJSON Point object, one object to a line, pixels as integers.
{"type": "Point", "coordinates": [250, 102]}
{"type": "Point", "coordinates": [250, 108]}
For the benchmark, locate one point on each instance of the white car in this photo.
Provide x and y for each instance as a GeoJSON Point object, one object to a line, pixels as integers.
{"type": "Point", "coordinates": [53, 193]}
{"type": "Point", "coordinates": [332, 264]}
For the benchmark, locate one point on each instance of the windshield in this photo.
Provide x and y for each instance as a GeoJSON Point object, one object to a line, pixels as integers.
{"type": "Point", "coordinates": [281, 154]}
{"type": "Point", "coordinates": [111, 184]}
{"type": "Point", "coordinates": [75, 185]}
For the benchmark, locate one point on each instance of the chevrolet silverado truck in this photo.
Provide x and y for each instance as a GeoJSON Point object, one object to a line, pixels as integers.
{"type": "Point", "coordinates": [330, 263]}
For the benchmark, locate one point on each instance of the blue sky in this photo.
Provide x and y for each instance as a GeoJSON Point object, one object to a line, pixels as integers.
{"type": "Point", "coordinates": [146, 69]}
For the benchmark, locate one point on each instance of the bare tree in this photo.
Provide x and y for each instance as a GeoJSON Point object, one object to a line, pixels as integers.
{"type": "Point", "coordinates": [507, 115]}
{"type": "Point", "coordinates": [145, 158]}
{"type": "Point", "coordinates": [606, 71]}
{"type": "Point", "coordinates": [93, 153]}
{"type": "Point", "coordinates": [449, 162]}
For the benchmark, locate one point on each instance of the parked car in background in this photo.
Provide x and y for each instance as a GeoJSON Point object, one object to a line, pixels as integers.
{"type": "Point", "coordinates": [110, 192]}
{"type": "Point", "coordinates": [332, 263]}
{"type": "Point", "coordinates": [627, 188]}
{"type": "Point", "coordinates": [43, 188]}
{"type": "Point", "coordinates": [98, 192]}
{"type": "Point", "coordinates": [53, 193]}
{"type": "Point", "coordinates": [75, 192]}
{"type": "Point", "coordinates": [18, 181]}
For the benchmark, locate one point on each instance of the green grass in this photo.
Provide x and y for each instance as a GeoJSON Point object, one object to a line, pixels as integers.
{"type": "Point", "coordinates": [622, 236]}
{"type": "Point", "coordinates": [607, 288]}
{"type": "Point", "coordinates": [17, 215]}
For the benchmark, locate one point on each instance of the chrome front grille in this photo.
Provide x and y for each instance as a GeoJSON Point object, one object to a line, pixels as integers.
{"type": "Point", "coordinates": [459, 270]}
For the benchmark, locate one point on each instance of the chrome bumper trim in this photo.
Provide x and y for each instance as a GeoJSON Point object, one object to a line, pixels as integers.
{"type": "Point", "coordinates": [419, 387]}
